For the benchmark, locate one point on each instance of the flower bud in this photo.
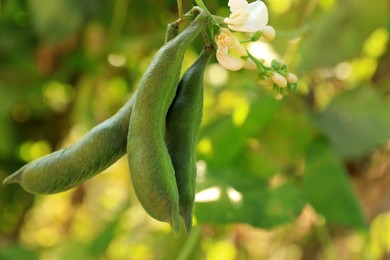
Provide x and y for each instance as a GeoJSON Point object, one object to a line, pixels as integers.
{"type": "Point", "coordinates": [276, 65]}
{"type": "Point", "coordinates": [250, 64]}
{"type": "Point", "coordinates": [268, 32]}
{"type": "Point", "coordinates": [229, 62]}
{"type": "Point", "coordinates": [266, 83]}
{"type": "Point", "coordinates": [279, 80]}
{"type": "Point", "coordinates": [292, 78]}
{"type": "Point", "coordinates": [278, 96]}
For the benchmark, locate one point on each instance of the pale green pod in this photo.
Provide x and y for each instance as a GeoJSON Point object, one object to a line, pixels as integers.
{"type": "Point", "coordinates": [171, 32]}
{"type": "Point", "coordinates": [67, 168]}
{"type": "Point", "coordinates": [182, 130]}
{"type": "Point", "coordinates": [150, 165]}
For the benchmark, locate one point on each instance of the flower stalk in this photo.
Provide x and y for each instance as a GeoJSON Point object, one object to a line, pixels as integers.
{"type": "Point", "coordinates": [180, 8]}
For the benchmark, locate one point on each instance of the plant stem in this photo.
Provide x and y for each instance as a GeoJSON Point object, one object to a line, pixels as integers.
{"type": "Point", "coordinates": [118, 20]}
{"type": "Point", "coordinates": [207, 38]}
{"type": "Point", "coordinates": [180, 8]}
{"type": "Point", "coordinates": [257, 62]}
{"type": "Point", "coordinates": [219, 19]}
{"type": "Point", "coordinates": [190, 243]}
{"type": "Point", "coordinates": [203, 6]}
{"type": "Point", "coordinates": [246, 40]}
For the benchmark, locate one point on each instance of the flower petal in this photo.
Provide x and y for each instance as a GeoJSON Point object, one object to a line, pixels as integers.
{"type": "Point", "coordinates": [226, 40]}
{"type": "Point", "coordinates": [238, 48]}
{"type": "Point", "coordinates": [258, 14]}
{"type": "Point", "coordinates": [257, 20]}
{"type": "Point", "coordinates": [237, 18]}
{"type": "Point", "coordinates": [230, 62]}
{"type": "Point", "coordinates": [237, 5]}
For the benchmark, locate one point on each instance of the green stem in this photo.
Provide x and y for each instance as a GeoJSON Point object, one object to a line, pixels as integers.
{"type": "Point", "coordinates": [180, 8]}
{"type": "Point", "coordinates": [246, 40]}
{"type": "Point", "coordinates": [218, 19]}
{"type": "Point", "coordinates": [190, 16]}
{"type": "Point", "coordinates": [255, 37]}
{"type": "Point", "coordinates": [118, 19]}
{"type": "Point", "coordinates": [260, 65]}
{"type": "Point", "coordinates": [190, 243]}
{"type": "Point", "coordinates": [203, 6]}
{"type": "Point", "coordinates": [206, 38]}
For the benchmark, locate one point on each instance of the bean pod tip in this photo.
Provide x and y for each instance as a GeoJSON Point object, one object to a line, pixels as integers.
{"type": "Point", "coordinates": [13, 178]}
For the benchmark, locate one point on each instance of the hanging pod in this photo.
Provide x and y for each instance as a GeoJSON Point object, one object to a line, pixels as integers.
{"type": "Point", "coordinates": [182, 129]}
{"type": "Point", "coordinates": [150, 165]}
{"type": "Point", "coordinates": [66, 168]}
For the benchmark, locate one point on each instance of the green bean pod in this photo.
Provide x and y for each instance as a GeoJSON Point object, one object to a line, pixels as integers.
{"type": "Point", "coordinates": [150, 165]}
{"type": "Point", "coordinates": [68, 167]}
{"type": "Point", "coordinates": [182, 129]}
{"type": "Point", "coordinates": [94, 152]}
{"type": "Point", "coordinates": [171, 32]}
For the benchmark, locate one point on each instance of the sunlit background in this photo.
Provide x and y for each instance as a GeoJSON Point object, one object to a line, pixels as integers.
{"type": "Point", "coordinates": [307, 177]}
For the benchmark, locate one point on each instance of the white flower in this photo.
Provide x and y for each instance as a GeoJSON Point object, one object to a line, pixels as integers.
{"type": "Point", "coordinates": [246, 17]}
{"type": "Point", "coordinates": [230, 51]}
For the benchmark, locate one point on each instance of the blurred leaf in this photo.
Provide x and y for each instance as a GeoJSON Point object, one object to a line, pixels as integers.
{"type": "Point", "coordinates": [264, 208]}
{"type": "Point", "coordinates": [102, 241]}
{"type": "Point", "coordinates": [356, 122]}
{"type": "Point", "coordinates": [238, 178]}
{"type": "Point", "coordinates": [340, 35]}
{"type": "Point", "coordinates": [17, 252]}
{"type": "Point", "coordinates": [228, 139]}
{"type": "Point", "coordinates": [54, 20]}
{"type": "Point", "coordinates": [73, 250]}
{"type": "Point", "coordinates": [279, 134]}
{"type": "Point", "coordinates": [289, 133]}
{"type": "Point", "coordinates": [328, 188]}
{"type": "Point", "coordinates": [257, 162]}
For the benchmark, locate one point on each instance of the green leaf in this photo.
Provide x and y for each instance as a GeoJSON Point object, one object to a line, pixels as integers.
{"type": "Point", "coordinates": [55, 20]}
{"type": "Point", "coordinates": [229, 139]}
{"type": "Point", "coordinates": [17, 252]}
{"type": "Point", "coordinates": [356, 122]}
{"type": "Point", "coordinates": [340, 35]}
{"type": "Point", "coordinates": [103, 240]}
{"type": "Point", "coordinates": [274, 137]}
{"type": "Point", "coordinates": [281, 145]}
{"type": "Point", "coordinates": [289, 133]}
{"type": "Point", "coordinates": [266, 208]}
{"type": "Point", "coordinates": [73, 250]}
{"type": "Point", "coordinates": [328, 188]}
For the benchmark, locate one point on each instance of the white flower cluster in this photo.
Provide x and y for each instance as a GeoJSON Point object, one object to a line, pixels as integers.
{"type": "Point", "coordinates": [252, 18]}
{"type": "Point", "coordinates": [244, 17]}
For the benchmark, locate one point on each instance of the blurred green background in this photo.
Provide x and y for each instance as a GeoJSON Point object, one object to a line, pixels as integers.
{"type": "Point", "coordinates": [307, 177]}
